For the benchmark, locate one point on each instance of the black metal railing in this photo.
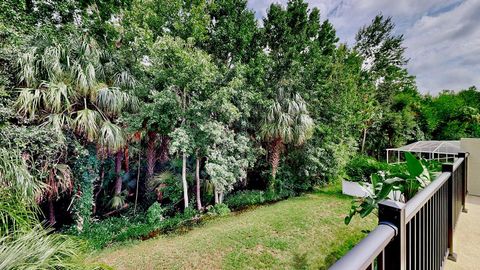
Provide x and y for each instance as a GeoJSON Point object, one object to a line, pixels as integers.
{"type": "Point", "coordinates": [418, 234]}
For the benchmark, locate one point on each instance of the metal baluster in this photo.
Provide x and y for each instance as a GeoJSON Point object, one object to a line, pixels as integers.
{"type": "Point", "coordinates": [381, 261]}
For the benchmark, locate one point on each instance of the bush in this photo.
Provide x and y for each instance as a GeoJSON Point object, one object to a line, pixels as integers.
{"type": "Point", "coordinates": [100, 234]}
{"type": "Point", "coordinates": [360, 167]}
{"type": "Point", "coordinates": [189, 213]}
{"type": "Point", "coordinates": [245, 198]}
{"type": "Point", "coordinates": [155, 213]}
{"type": "Point", "coordinates": [219, 209]}
{"type": "Point", "coordinates": [118, 229]}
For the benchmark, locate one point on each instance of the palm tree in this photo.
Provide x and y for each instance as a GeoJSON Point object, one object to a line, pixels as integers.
{"type": "Point", "coordinates": [286, 121]}
{"type": "Point", "coordinates": [77, 87]}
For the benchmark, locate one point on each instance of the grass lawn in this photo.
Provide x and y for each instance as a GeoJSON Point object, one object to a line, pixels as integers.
{"type": "Point", "coordinates": [299, 233]}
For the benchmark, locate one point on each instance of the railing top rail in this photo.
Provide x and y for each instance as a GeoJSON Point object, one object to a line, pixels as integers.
{"type": "Point", "coordinates": [418, 201]}
{"type": "Point", "coordinates": [457, 163]}
{"type": "Point", "coordinates": [365, 252]}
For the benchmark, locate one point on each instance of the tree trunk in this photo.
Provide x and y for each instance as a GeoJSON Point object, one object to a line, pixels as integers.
{"type": "Point", "coordinates": [138, 180]}
{"type": "Point", "coordinates": [277, 147]}
{"type": "Point", "coordinates": [164, 148]}
{"type": "Point", "coordinates": [151, 145]}
{"type": "Point", "coordinates": [97, 193]}
{"type": "Point", "coordinates": [51, 212]}
{"type": "Point", "coordinates": [126, 159]}
{"type": "Point", "coordinates": [184, 180]}
{"type": "Point", "coordinates": [364, 140]}
{"type": "Point", "coordinates": [220, 197]}
{"type": "Point", "coordinates": [197, 179]}
{"type": "Point", "coordinates": [216, 195]}
{"type": "Point", "coordinates": [118, 171]}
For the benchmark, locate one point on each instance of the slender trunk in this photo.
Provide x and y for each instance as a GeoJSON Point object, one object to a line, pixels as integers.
{"type": "Point", "coordinates": [151, 145]}
{"type": "Point", "coordinates": [197, 178]}
{"type": "Point", "coordinates": [136, 186]}
{"type": "Point", "coordinates": [51, 212]}
{"type": "Point", "coordinates": [364, 140]}
{"type": "Point", "coordinates": [164, 146]}
{"type": "Point", "coordinates": [184, 156]}
{"type": "Point", "coordinates": [216, 195]}
{"type": "Point", "coordinates": [126, 159]}
{"type": "Point", "coordinates": [220, 197]}
{"type": "Point", "coordinates": [184, 179]}
{"type": "Point", "coordinates": [118, 171]}
{"type": "Point", "coordinates": [97, 193]}
{"type": "Point", "coordinates": [277, 146]}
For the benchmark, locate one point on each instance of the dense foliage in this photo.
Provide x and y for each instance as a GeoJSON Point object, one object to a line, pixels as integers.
{"type": "Point", "coordinates": [150, 112]}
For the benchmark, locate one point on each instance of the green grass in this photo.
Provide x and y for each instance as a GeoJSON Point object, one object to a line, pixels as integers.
{"type": "Point", "coordinates": [299, 233]}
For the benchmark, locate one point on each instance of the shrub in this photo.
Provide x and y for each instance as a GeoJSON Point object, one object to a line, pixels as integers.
{"type": "Point", "coordinates": [118, 229]}
{"type": "Point", "coordinates": [155, 213]}
{"type": "Point", "coordinates": [360, 168]}
{"type": "Point", "coordinates": [219, 209]}
{"type": "Point", "coordinates": [245, 198]}
{"type": "Point", "coordinates": [189, 213]}
{"type": "Point", "coordinates": [100, 234]}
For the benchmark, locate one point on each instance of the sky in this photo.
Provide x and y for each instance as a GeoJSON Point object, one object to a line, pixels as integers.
{"type": "Point", "coordinates": [442, 36]}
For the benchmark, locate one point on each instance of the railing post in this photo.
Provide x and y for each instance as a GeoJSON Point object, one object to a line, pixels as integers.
{"type": "Point", "coordinates": [392, 213]}
{"type": "Point", "coordinates": [449, 168]}
{"type": "Point", "coordinates": [464, 180]}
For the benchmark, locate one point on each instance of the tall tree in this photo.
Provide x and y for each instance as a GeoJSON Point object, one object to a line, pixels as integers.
{"type": "Point", "coordinates": [190, 73]}
{"type": "Point", "coordinates": [385, 75]}
{"type": "Point", "coordinates": [384, 58]}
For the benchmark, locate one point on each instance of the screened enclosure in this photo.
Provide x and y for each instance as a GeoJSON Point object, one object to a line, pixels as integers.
{"type": "Point", "coordinates": [444, 151]}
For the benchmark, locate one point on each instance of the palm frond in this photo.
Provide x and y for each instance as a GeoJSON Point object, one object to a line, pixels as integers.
{"type": "Point", "coordinates": [113, 101]}
{"type": "Point", "coordinates": [81, 81]}
{"type": "Point", "coordinates": [60, 180]}
{"type": "Point", "coordinates": [57, 121]}
{"type": "Point", "coordinates": [28, 102]}
{"type": "Point", "coordinates": [86, 123]}
{"type": "Point", "coordinates": [26, 63]}
{"type": "Point", "coordinates": [56, 97]}
{"type": "Point", "coordinates": [14, 174]}
{"type": "Point", "coordinates": [51, 62]}
{"type": "Point", "coordinates": [117, 201]}
{"type": "Point", "coordinates": [287, 119]}
{"type": "Point", "coordinates": [125, 80]}
{"type": "Point", "coordinates": [111, 137]}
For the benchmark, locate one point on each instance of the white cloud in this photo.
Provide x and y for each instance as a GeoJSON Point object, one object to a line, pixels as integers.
{"type": "Point", "coordinates": [442, 36]}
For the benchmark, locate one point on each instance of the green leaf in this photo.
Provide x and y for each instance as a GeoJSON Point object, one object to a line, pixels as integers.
{"type": "Point", "coordinates": [367, 210]}
{"type": "Point", "coordinates": [386, 188]}
{"type": "Point", "coordinates": [414, 166]}
{"type": "Point", "coordinates": [348, 219]}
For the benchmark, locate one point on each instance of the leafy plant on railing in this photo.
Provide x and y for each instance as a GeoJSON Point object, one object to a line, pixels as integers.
{"type": "Point", "coordinates": [415, 178]}
{"type": "Point", "coordinates": [407, 182]}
